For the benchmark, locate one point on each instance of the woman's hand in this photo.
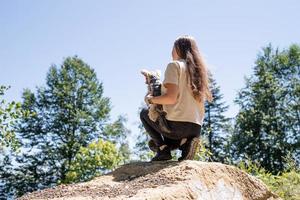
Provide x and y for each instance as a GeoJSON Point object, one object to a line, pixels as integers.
{"type": "Point", "coordinates": [147, 97]}
{"type": "Point", "coordinates": [170, 97]}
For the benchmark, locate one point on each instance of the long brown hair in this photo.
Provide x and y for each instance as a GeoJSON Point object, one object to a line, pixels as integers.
{"type": "Point", "coordinates": [187, 49]}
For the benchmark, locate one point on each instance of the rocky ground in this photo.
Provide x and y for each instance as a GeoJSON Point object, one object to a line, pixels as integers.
{"type": "Point", "coordinates": [164, 180]}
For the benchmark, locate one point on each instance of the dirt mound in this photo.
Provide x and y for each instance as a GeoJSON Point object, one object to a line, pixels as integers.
{"type": "Point", "coordinates": [164, 180]}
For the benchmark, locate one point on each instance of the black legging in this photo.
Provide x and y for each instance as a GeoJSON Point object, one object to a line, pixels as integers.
{"type": "Point", "coordinates": [179, 130]}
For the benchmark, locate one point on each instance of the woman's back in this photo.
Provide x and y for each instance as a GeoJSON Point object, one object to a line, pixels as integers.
{"type": "Point", "coordinates": [186, 107]}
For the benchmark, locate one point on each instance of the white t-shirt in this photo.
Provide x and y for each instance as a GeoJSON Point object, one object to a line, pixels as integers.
{"type": "Point", "coordinates": [186, 108]}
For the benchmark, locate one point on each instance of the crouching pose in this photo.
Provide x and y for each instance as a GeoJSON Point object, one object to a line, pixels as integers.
{"type": "Point", "coordinates": [184, 90]}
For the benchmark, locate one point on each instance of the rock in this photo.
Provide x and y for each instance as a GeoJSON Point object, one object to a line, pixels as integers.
{"type": "Point", "coordinates": [165, 181]}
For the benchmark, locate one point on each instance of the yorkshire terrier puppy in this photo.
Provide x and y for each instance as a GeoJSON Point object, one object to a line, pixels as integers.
{"type": "Point", "coordinates": [154, 88]}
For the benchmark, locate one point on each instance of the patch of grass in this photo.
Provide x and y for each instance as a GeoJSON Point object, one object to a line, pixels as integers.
{"type": "Point", "coordinates": [285, 184]}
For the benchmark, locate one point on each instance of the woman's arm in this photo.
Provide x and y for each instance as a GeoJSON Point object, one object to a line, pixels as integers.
{"type": "Point", "coordinates": [170, 97]}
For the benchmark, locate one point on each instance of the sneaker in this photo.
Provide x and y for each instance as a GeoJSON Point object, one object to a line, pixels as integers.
{"type": "Point", "coordinates": [189, 149]}
{"type": "Point", "coordinates": [161, 155]}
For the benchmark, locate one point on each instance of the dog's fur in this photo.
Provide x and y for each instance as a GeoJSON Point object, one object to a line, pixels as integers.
{"type": "Point", "coordinates": [154, 88]}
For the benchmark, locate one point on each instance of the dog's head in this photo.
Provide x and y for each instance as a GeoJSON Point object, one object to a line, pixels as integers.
{"type": "Point", "coordinates": [151, 76]}
{"type": "Point", "coordinates": [153, 81]}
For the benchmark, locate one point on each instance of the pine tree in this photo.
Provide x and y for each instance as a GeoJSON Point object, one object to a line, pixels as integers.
{"type": "Point", "coordinates": [6, 176]}
{"type": "Point", "coordinates": [216, 126]}
{"type": "Point", "coordinates": [267, 125]}
{"type": "Point", "coordinates": [70, 113]}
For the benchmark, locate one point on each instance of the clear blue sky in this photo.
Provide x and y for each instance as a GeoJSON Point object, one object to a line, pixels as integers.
{"type": "Point", "coordinates": [119, 38]}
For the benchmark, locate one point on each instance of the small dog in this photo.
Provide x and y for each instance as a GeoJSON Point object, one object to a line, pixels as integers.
{"type": "Point", "coordinates": [156, 111]}
{"type": "Point", "coordinates": [154, 88]}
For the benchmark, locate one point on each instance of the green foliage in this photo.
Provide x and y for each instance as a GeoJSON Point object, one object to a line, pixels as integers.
{"type": "Point", "coordinates": [203, 153]}
{"type": "Point", "coordinates": [142, 150]}
{"type": "Point", "coordinates": [216, 127]}
{"type": "Point", "coordinates": [70, 113]}
{"type": "Point", "coordinates": [125, 152]}
{"type": "Point", "coordinates": [92, 160]}
{"type": "Point", "coordinates": [267, 125]}
{"type": "Point", "coordinates": [117, 133]}
{"type": "Point", "coordinates": [285, 184]}
{"type": "Point", "coordinates": [9, 114]}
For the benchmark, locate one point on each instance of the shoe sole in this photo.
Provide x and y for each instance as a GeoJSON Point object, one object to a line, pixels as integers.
{"type": "Point", "coordinates": [192, 150]}
{"type": "Point", "coordinates": [164, 159]}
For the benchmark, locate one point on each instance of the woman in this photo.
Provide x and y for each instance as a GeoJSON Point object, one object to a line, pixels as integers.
{"type": "Point", "coordinates": [184, 90]}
